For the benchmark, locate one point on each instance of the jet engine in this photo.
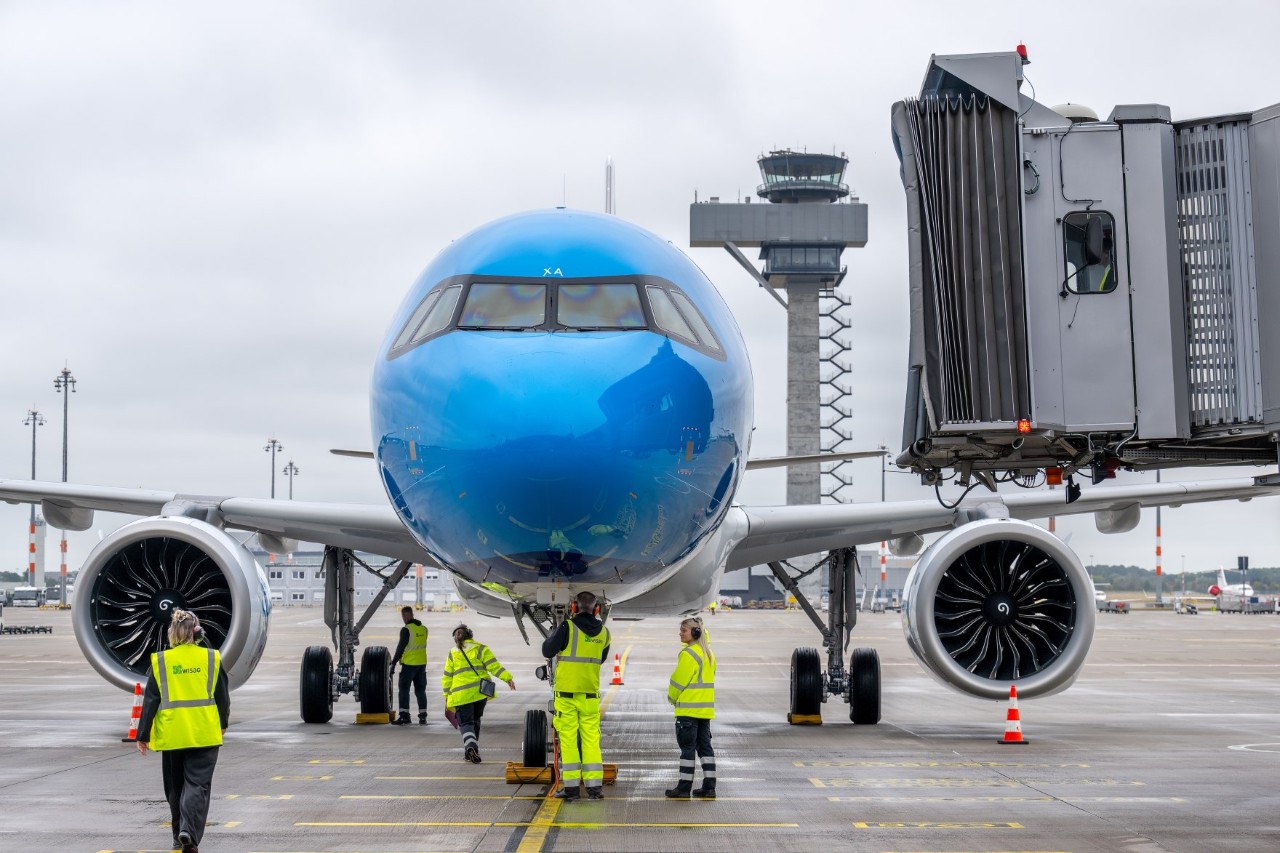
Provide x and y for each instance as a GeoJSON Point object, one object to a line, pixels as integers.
{"type": "Point", "coordinates": [134, 578]}
{"type": "Point", "coordinates": [999, 602]}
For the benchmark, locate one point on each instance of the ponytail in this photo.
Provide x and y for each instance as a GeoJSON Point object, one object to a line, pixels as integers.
{"type": "Point", "coordinates": [461, 634]}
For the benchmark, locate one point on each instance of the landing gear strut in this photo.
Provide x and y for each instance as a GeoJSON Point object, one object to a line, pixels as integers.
{"type": "Point", "coordinates": [322, 682]}
{"type": "Point", "coordinates": [859, 685]}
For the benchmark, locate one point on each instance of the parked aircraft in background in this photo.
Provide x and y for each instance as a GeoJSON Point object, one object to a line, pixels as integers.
{"type": "Point", "coordinates": [563, 402]}
{"type": "Point", "coordinates": [1242, 590]}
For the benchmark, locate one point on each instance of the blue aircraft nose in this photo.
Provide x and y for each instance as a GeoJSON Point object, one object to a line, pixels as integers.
{"type": "Point", "coordinates": [521, 455]}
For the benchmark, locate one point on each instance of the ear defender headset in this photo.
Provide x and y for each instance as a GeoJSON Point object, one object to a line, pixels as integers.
{"type": "Point", "coordinates": [696, 632]}
{"type": "Point", "coordinates": [574, 610]}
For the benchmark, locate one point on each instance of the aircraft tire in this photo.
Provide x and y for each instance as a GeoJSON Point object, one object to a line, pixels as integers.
{"type": "Point", "coordinates": [535, 738]}
{"type": "Point", "coordinates": [375, 681]}
{"type": "Point", "coordinates": [314, 695]}
{"type": "Point", "coordinates": [806, 682]}
{"type": "Point", "coordinates": [864, 687]}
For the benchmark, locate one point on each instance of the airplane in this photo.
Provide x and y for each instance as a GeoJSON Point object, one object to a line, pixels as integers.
{"type": "Point", "coordinates": [1239, 590]}
{"type": "Point", "coordinates": [563, 402]}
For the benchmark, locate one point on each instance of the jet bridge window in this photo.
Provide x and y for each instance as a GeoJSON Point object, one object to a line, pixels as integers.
{"type": "Point", "coordinates": [588, 307]}
{"type": "Point", "coordinates": [1089, 242]}
{"type": "Point", "coordinates": [504, 306]}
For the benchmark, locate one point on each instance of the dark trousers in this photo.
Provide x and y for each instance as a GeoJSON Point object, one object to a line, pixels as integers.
{"type": "Point", "coordinates": [415, 674]}
{"type": "Point", "coordinates": [469, 722]}
{"type": "Point", "coordinates": [694, 738]}
{"type": "Point", "coordinates": [188, 778]}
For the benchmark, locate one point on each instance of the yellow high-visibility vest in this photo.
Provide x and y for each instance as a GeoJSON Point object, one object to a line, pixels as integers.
{"type": "Point", "coordinates": [578, 664]}
{"type": "Point", "coordinates": [464, 669]}
{"type": "Point", "coordinates": [188, 716]}
{"type": "Point", "coordinates": [693, 685]}
{"type": "Point", "coordinates": [415, 654]}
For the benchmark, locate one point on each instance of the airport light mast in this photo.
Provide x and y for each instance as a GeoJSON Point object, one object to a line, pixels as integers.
{"type": "Point", "coordinates": [290, 470]}
{"type": "Point", "coordinates": [272, 447]}
{"type": "Point", "coordinates": [33, 419]}
{"type": "Point", "coordinates": [65, 384]}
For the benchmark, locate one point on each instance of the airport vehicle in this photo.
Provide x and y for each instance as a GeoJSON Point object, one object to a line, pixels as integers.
{"type": "Point", "coordinates": [28, 596]}
{"type": "Point", "coordinates": [563, 402]}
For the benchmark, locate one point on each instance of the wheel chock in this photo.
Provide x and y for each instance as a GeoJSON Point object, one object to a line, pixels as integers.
{"type": "Point", "coordinates": [372, 719]}
{"type": "Point", "coordinates": [518, 774]}
{"type": "Point", "coordinates": [804, 719]}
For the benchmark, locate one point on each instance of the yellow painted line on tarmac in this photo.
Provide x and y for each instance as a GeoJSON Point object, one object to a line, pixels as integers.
{"type": "Point", "coordinates": [301, 778]}
{"type": "Point", "coordinates": [259, 796]}
{"type": "Point", "coordinates": [336, 761]}
{"type": "Point", "coordinates": [549, 825]}
{"type": "Point", "coordinates": [441, 796]}
{"type": "Point", "coordinates": [917, 764]}
{"type": "Point", "coordinates": [536, 834]}
{"type": "Point", "coordinates": [934, 824]}
{"type": "Point", "coordinates": [445, 778]}
{"type": "Point", "coordinates": [943, 799]}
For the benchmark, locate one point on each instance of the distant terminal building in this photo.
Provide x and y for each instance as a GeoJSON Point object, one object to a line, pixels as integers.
{"type": "Point", "coordinates": [297, 580]}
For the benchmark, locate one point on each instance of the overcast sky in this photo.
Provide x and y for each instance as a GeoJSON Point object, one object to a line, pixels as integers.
{"type": "Point", "coordinates": [210, 213]}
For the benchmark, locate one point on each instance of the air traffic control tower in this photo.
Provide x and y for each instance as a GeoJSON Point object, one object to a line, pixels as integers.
{"type": "Point", "coordinates": [808, 221]}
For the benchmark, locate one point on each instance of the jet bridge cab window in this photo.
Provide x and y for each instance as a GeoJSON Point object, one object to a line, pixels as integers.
{"type": "Point", "coordinates": [486, 303]}
{"type": "Point", "coordinates": [1089, 248]}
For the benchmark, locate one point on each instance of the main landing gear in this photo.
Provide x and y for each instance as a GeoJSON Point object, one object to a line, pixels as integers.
{"type": "Point", "coordinates": [321, 682]}
{"type": "Point", "coordinates": [859, 685]}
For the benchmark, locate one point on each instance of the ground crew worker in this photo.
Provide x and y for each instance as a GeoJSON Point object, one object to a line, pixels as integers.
{"type": "Point", "coordinates": [411, 654]}
{"type": "Point", "coordinates": [185, 712]}
{"type": "Point", "coordinates": [580, 645]}
{"type": "Point", "coordinates": [692, 692]}
{"type": "Point", "coordinates": [467, 686]}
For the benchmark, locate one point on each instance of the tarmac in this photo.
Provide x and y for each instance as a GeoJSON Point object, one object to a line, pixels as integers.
{"type": "Point", "coordinates": [1169, 741]}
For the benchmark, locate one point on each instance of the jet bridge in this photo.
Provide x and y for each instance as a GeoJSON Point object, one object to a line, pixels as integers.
{"type": "Point", "coordinates": [1085, 295]}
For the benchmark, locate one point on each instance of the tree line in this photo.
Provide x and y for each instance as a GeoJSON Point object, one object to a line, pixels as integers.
{"type": "Point", "coordinates": [1265, 581]}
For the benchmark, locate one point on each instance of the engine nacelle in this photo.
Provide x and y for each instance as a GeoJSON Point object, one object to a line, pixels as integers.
{"type": "Point", "coordinates": [133, 579]}
{"type": "Point", "coordinates": [996, 603]}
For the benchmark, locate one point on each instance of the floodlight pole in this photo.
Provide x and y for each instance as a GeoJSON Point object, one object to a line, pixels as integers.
{"type": "Point", "coordinates": [290, 469]}
{"type": "Point", "coordinates": [65, 384]}
{"type": "Point", "coordinates": [272, 447]}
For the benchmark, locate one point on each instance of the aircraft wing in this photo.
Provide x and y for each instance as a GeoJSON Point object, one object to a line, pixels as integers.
{"type": "Point", "coordinates": [360, 527]}
{"type": "Point", "coordinates": [781, 532]}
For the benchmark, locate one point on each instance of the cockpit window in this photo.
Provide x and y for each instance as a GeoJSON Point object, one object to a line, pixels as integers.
{"type": "Point", "coordinates": [504, 306]}
{"type": "Point", "coordinates": [415, 320]}
{"type": "Point", "coordinates": [599, 306]}
{"type": "Point", "coordinates": [439, 315]}
{"type": "Point", "coordinates": [616, 304]}
{"type": "Point", "coordinates": [667, 315]}
{"type": "Point", "coordinates": [694, 317]}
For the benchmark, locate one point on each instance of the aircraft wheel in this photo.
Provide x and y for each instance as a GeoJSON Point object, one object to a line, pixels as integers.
{"type": "Point", "coordinates": [806, 682]}
{"type": "Point", "coordinates": [535, 738]}
{"type": "Point", "coordinates": [375, 681]}
{"type": "Point", "coordinates": [864, 687]}
{"type": "Point", "coordinates": [313, 687]}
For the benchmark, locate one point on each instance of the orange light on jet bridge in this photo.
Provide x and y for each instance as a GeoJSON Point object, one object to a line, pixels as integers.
{"type": "Point", "coordinates": [1024, 426]}
{"type": "Point", "coordinates": [1053, 476]}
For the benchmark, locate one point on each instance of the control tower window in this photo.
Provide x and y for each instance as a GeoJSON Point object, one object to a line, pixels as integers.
{"type": "Point", "coordinates": [589, 307]}
{"type": "Point", "coordinates": [1089, 244]}
{"type": "Point", "coordinates": [504, 306]}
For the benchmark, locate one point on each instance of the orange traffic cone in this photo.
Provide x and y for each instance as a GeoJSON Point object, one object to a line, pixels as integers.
{"type": "Point", "coordinates": [135, 715]}
{"type": "Point", "coordinates": [1013, 728]}
{"type": "Point", "coordinates": [617, 670]}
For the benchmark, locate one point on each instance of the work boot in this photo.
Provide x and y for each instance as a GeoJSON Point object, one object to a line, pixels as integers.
{"type": "Point", "coordinates": [706, 792]}
{"type": "Point", "coordinates": [681, 790]}
{"type": "Point", "coordinates": [472, 754]}
{"type": "Point", "coordinates": [567, 794]}
{"type": "Point", "coordinates": [595, 793]}
{"type": "Point", "coordinates": [422, 718]}
{"type": "Point", "coordinates": [186, 842]}
{"type": "Point", "coordinates": [402, 720]}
